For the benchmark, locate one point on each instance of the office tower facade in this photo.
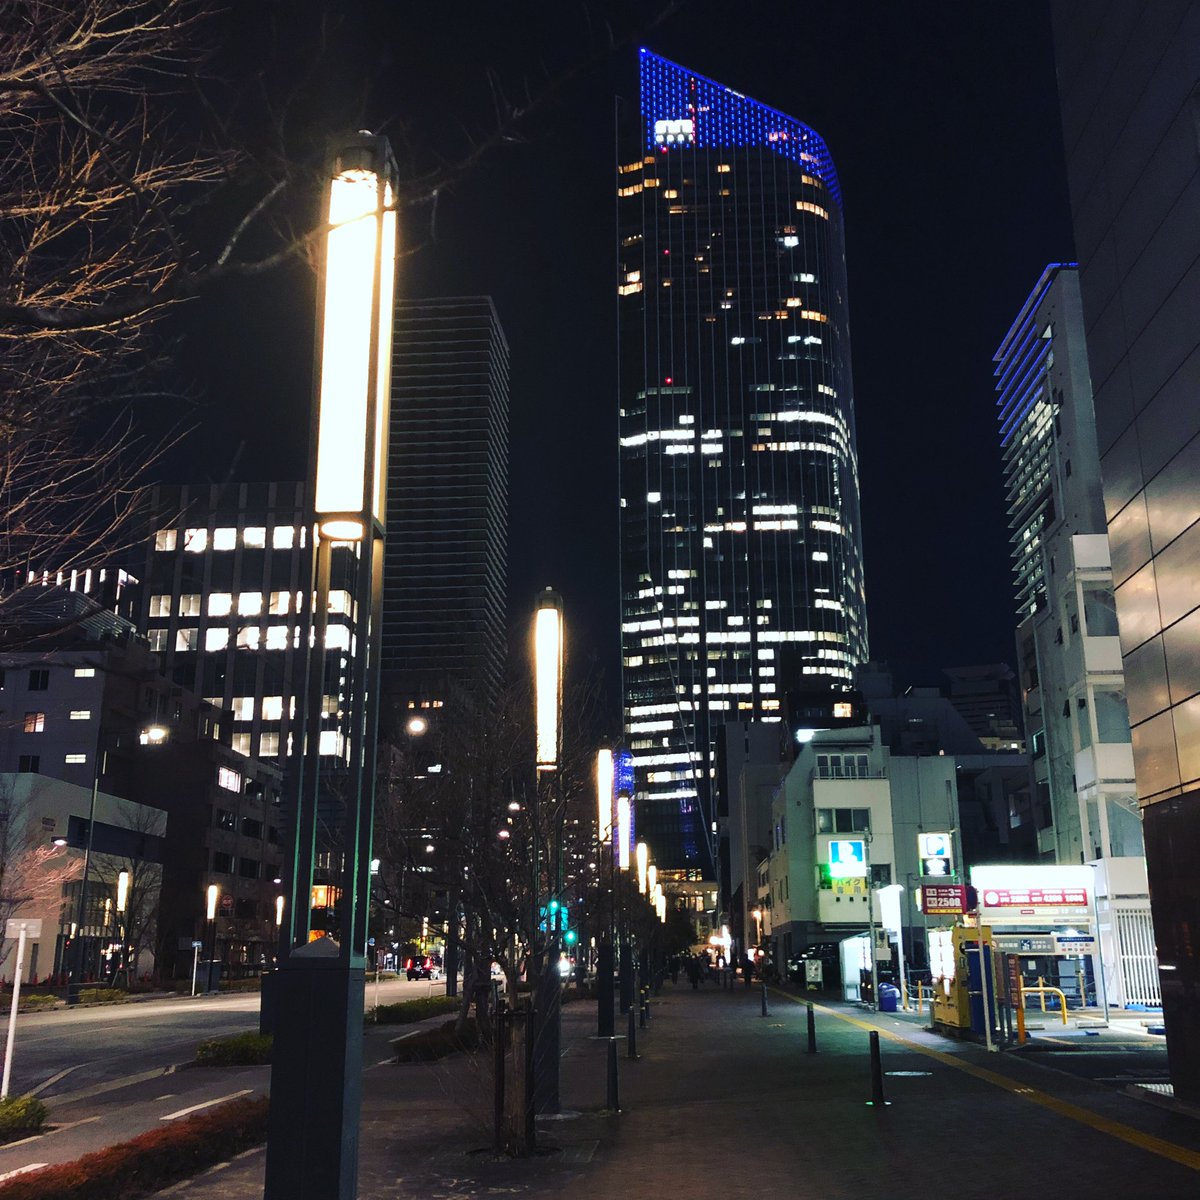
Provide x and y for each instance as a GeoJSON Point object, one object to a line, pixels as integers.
{"type": "Point", "coordinates": [738, 469]}
{"type": "Point", "coordinates": [446, 565]}
{"type": "Point", "coordinates": [1128, 78]}
{"type": "Point", "coordinates": [1068, 648]}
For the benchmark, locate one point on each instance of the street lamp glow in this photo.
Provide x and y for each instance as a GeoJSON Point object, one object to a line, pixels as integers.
{"type": "Point", "coordinates": [652, 879]}
{"type": "Point", "coordinates": [278, 911]}
{"type": "Point", "coordinates": [153, 735]}
{"type": "Point", "coordinates": [213, 893]}
{"type": "Point", "coordinates": [643, 861]}
{"type": "Point", "coordinates": [122, 891]}
{"type": "Point", "coordinates": [604, 794]}
{"type": "Point", "coordinates": [360, 266]}
{"type": "Point", "coordinates": [547, 670]}
{"type": "Point", "coordinates": [623, 816]}
{"type": "Point", "coordinates": [415, 726]}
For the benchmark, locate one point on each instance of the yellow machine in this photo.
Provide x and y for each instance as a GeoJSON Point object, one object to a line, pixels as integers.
{"type": "Point", "coordinates": [952, 993]}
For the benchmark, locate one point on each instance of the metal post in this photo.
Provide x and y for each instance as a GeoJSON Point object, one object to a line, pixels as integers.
{"type": "Point", "coordinates": [498, 1083]}
{"type": "Point", "coordinates": [75, 981]}
{"type": "Point", "coordinates": [763, 994]}
{"type": "Point", "coordinates": [871, 923]}
{"type": "Point", "coordinates": [876, 1072]}
{"type": "Point", "coordinates": [530, 1107]}
{"type": "Point", "coordinates": [812, 1029]}
{"type": "Point", "coordinates": [642, 1010]}
{"type": "Point", "coordinates": [631, 1036]}
{"type": "Point", "coordinates": [614, 1102]}
{"type": "Point", "coordinates": [605, 1000]}
{"type": "Point", "coordinates": [195, 964]}
{"type": "Point", "coordinates": [12, 1016]}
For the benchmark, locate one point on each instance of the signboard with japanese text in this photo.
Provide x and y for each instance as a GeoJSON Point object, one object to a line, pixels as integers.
{"type": "Point", "coordinates": [935, 851]}
{"type": "Point", "coordinates": [1027, 895]}
{"type": "Point", "coordinates": [1035, 897]}
{"type": "Point", "coordinates": [944, 899]}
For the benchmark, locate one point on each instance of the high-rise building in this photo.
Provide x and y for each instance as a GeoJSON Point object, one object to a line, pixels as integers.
{"type": "Point", "coordinates": [445, 571]}
{"type": "Point", "coordinates": [1128, 76]}
{"type": "Point", "coordinates": [738, 469]}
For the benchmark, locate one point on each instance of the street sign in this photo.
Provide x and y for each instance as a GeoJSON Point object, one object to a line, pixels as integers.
{"type": "Point", "coordinates": [1065, 943]}
{"type": "Point", "coordinates": [197, 945]}
{"type": "Point", "coordinates": [936, 852]}
{"type": "Point", "coordinates": [847, 858]}
{"type": "Point", "coordinates": [1059, 897]}
{"type": "Point", "coordinates": [33, 928]}
{"type": "Point", "coordinates": [944, 899]}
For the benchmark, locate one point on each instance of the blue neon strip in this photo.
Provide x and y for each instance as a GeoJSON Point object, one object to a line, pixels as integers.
{"type": "Point", "coordinates": [725, 118]}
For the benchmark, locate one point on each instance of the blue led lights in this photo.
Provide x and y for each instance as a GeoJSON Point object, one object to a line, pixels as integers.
{"type": "Point", "coordinates": [682, 110]}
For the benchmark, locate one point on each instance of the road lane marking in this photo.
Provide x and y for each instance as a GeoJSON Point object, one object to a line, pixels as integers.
{"type": "Point", "coordinates": [1073, 1112]}
{"type": "Point", "coordinates": [41, 1087]}
{"type": "Point", "coordinates": [22, 1171]}
{"type": "Point", "coordinates": [111, 1085]}
{"type": "Point", "coordinates": [37, 1137]}
{"type": "Point", "coordinates": [183, 1112]}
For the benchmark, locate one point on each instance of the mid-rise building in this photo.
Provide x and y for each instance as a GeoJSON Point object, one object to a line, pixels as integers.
{"type": "Point", "coordinates": [1072, 681]}
{"type": "Point", "coordinates": [739, 484]}
{"type": "Point", "coordinates": [446, 564]}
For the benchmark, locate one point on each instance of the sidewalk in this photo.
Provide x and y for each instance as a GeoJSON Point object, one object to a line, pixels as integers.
{"type": "Point", "coordinates": [726, 1104]}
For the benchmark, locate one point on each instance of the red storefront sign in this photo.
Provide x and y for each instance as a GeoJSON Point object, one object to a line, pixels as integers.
{"type": "Point", "coordinates": [944, 898]}
{"type": "Point", "coordinates": [1073, 897]}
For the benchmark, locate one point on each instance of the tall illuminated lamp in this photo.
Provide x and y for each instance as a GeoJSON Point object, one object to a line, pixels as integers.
{"type": "Point", "coordinates": [605, 964]}
{"type": "Point", "coordinates": [317, 991]}
{"type": "Point", "coordinates": [548, 654]}
{"type": "Point", "coordinates": [624, 854]}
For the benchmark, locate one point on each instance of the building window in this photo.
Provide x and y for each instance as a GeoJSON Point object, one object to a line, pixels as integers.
{"type": "Point", "coordinates": [254, 536]}
{"type": "Point", "coordinates": [195, 541]}
{"type": "Point", "coordinates": [226, 819]}
{"type": "Point", "coordinates": [243, 708]}
{"type": "Point", "coordinates": [222, 863]}
{"type": "Point", "coordinates": [35, 722]}
{"type": "Point", "coordinates": [252, 828]}
{"type": "Point", "coordinates": [220, 604]}
{"type": "Point", "coordinates": [1112, 716]}
{"type": "Point", "coordinates": [160, 606]}
{"type": "Point", "coordinates": [158, 640]}
{"type": "Point", "coordinates": [241, 743]}
{"type": "Point", "coordinates": [229, 779]}
{"type": "Point", "coordinates": [224, 539]}
{"type": "Point", "coordinates": [272, 835]}
{"type": "Point", "coordinates": [272, 708]}
{"type": "Point", "coordinates": [39, 680]}
{"type": "Point", "coordinates": [881, 875]}
{"type": "Point", "coordinates": [843, 820]}
{"type": "Point", "coordinates": [277, 637]}
{"type": "Point", "coordinates": [279, 603]}
{"type": "Point", "coordinates": [1099, 612]}
{"type": "Point", "coordinates": [250, 604]}
{"type": "Point", "coordinates": [81, 714]}
{"type": "Point", "coordinates": [164, 539]}
{"type": "Point", "coordinates": [248, 637]}
{"type": "Point", "coordinates": [283, 537]}
{"type": "Point", "coordinates": [248, 868]}
{"type": "Point", "coordinates": [216, 639]}
{"type": "Point", "coordinates": [85, 672]}
{"type": "Point", "coordinates": [189, 605]}
{"type": "Point", "coordinates": [75, 759]}
{"type": "Point", "coordinates": [186, 639]}
{"type": "Point", "coordinates": [268, 745]}
{"type": "Point", "coordinates": [28, 764]}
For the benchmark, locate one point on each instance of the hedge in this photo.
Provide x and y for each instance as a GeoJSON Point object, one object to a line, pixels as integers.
{"type": "Point", "coordinates": [102, 995]}
{"type": "Point", "coordinates": [21, 1114]}
{"type": "Point", "coordinates": [34, 1002]}
{"type": "Point", "coordinates": [239, 1050]}
{"type": "Point", "coordinates": [151, 1161]}
{"type": "Point", "coordinates": [408, 1011]}
{"type": "Point", "coordinates": [428, 1045]}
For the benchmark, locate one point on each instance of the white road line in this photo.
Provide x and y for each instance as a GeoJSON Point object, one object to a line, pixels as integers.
{"type": "Point", "coordinates": [22, 1171]}
{"type": "Point", "coordinates": [50, 1132]}
{"type": "Point", "coordinates": [183, 1112]}
{"type": "Point", "coordinates": [41, 1087]}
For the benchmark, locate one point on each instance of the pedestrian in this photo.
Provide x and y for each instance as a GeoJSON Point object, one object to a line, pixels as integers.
{"type": "Point", "coordinates": [674, 966]}
{"type": "Point", "coordinates": [693, 972]}
{"type": "Point", "coordinates": [747, 968]}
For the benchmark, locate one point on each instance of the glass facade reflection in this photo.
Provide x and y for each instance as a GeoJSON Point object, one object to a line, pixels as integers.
{"type": "Point", "coordinates": [740, 539]}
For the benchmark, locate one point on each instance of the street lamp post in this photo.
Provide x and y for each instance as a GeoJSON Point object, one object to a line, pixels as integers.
{"type": "Point", "coordinates": [606, 1020]}
{"type": "Point", "coordinates": [318, 989]}
{"type": "Point", "coordinates": [548, 653]}
{"type": "Point", "coordinates": [624, 837]}
{"type": "Point", "coordinates": [210, 913]}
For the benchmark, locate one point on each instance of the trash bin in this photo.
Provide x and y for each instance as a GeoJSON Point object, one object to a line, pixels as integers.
{"type": "Point", "coordinates": [889, 997]}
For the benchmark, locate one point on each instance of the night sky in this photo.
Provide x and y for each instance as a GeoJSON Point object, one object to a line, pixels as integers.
{"type": "Point", "coordinates": [943, 123]}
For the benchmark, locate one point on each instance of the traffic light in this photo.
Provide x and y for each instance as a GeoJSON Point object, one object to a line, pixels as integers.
{"type": "Point", "coordinates": [570, 937]}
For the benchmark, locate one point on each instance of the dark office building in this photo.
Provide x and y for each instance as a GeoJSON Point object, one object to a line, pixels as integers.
{"type": "Point", "coordinates": [738, 470]}
{"type": "Point", "coordinates": [1129, 78]}
{"type": "Point", "coordinates": [445, 573]}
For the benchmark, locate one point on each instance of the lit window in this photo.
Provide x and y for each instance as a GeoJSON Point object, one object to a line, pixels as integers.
{"type": "Point", "coordinates": [723, 168]}
{"type": "Point", "coordinates": [653, 497]}
{"type": "Point", "coordinates": [220, 604]}
{"type": "Point", "coordinates": [337, 637]}
{"type": "Point", "coordinates": [277, 637]}
{"type": "Point", "coordinates": [160, 606]}
{"type": "Point", "coordinates": [248, 637]}
{"type": "Point", "coordinates": [272, 708]}
{"type": "Point", "coordinates": [249, 604]}
{"type": "Point", "coordinates": [81, 714]}
{"type": "Point", "coordinates": [216, 639]}
{"type": "Point", "coordinates": [240, 742]}
{"type": "Point", "coordinates": [283, 537]}
{"type": "Point", "coordinates": [820, 556]}
{"type": "Point", "coordinates": [35, 722]}
{"type": "Point", "coordinates": [254, 536]}
{"type": "Point", "coordinates": [268, 745]}
{"type": "Point", "coordinates": [195, 541]}
{"type": "Point", "coordinates": [75, 758]}
{"type": "Point", "coordinates": [85, 672]}
{"type": "Point", "coordinates": [809, 207]}
{"type": "Point", "coordinates": [243, 708]}
{"type": "Point", "coordinates": [629, 289]}
{"type": "Point", "coordinates": [189, 605]}
{"type": "Point", "coordinates": [186, 639]}
{"type": "Point", "coordinates": [229, 779]}
{"type": "Point", "coordinates": [339, 602]}
{"type": "Point", "coordinates": [164, 539]}
{"type": "Point", "coordinates": [158, 640]}
{"type": "Point", "coordinates": [791, 241]}
{"type": "Point", "coordinates": [224, 539]}
{"type": "Point", "coordinates": [332, 741]}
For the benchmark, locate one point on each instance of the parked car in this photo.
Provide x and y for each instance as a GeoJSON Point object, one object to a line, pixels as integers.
{"type": "Point", "coordinates": [420, 967]}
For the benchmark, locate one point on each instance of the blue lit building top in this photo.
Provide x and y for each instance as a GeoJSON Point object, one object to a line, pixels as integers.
{"type": "Point", "coordinates": [683, 110]}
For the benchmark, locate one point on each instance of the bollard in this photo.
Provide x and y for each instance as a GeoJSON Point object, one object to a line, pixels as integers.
{"type": "Point", "coordinates": [614, 1103]}
{"type": "Point", "coordinates": [646, 1003]}
{"type": "Point", "coordinates": [631, 1036]}
{"type": "Point", "coordinates": [812, 1029]}
{"type": "Point", "coordinates": [764, 997]}
{"type": "Point", "coordinates": [876, 1073]}
{"type": "Point", "coordinates": [642, 1011]}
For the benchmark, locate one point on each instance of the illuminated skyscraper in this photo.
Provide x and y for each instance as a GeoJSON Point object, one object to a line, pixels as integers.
{"type": "Point", "coordinates": [741, 558]}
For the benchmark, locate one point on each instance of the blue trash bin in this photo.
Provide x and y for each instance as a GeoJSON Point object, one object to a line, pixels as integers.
{"type": "Point", "coordinates": [889, 997]}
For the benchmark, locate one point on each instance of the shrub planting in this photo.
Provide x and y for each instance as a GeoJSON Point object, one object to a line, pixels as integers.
{"type": "Point", "coordinates": [35, 1002]}
{"type": "Point", "coordinates": [408, 1011]}
{"type": "Point", "coordinates": [239, 1050]}
{"type": "Point", "coordinates": [428, 1045]}
{"type": "Point", "coordinates": [102, 995]}
{"type": "Point", "coordinates": [20, 1115]}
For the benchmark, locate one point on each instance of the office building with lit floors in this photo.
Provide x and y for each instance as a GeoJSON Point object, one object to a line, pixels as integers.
{"type": "Point", "coordinates": [445, 570]}
{"type": "Point", "coordinates": [1129, 78]}
{"type": "Point", "coordinates": [740, 540]}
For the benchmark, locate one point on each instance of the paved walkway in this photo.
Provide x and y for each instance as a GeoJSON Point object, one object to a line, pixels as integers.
{"type": "Point", "coordinates": [727, 1104]}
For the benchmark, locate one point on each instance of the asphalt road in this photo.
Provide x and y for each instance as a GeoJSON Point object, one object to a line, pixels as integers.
{"type": "Point", "coordinates": [69, 1053]}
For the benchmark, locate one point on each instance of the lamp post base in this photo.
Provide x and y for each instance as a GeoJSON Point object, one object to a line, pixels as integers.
{"type": "Point", "coordinates": [606, 1019]}
{"type": "Point", "coordinates": [316, 1076]}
